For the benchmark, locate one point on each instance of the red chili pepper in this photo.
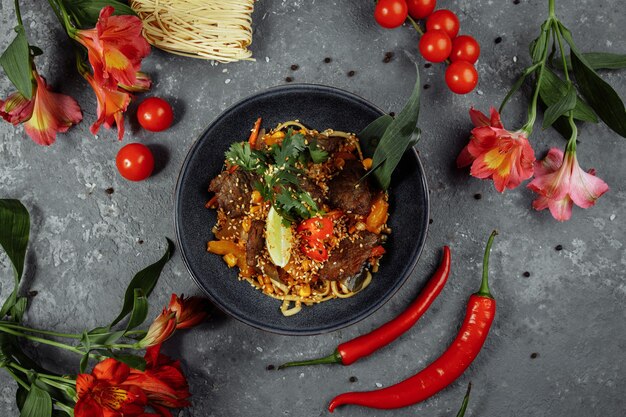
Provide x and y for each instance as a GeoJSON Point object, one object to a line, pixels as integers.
{"type": "Point", "coordinates": [355, 349]}
{"type": "Point", "coordinates": [481, 309]}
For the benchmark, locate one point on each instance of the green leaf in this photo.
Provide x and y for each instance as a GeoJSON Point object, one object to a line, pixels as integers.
{"type": "Point", "coordinates": [38, 403]}
{"type": "Point", "coordinates": [145, 280]}
{"type": "Point", "coordinates": [20, 397]}
{"type": "Point", "coordinates": [140, 310]}
{"type": "Point", "coordinates": [84, 362]}
{"type": "Point", "coordinates": [566, 103]}
{"type": "Point", "coordinates": [398, 137]}
{"type": "Point", "coordinates": [134, 361]}
{"type": "Point", "coordinates": [86, 12]}
{"type": "Point", "coordinates": [598, 93]}
{"type": "Point", "coordinates": [370, 136]}
{"type": "Point", "coordinates": [17, 64]}
{"type": "Point", "coordinates": [461, 412]}
{"type": "Point", "coordinates": [602, 60]}
{"type": "Point", "coordinates": [14, 233]}
{"type": "Point", "coordinates": [539, 45]}
{"type": "Point", "coordinates": [552, 88]}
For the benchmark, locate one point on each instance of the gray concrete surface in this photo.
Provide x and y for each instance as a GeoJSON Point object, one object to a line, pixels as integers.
{"type": "Point", "coordinates": [570, 311]}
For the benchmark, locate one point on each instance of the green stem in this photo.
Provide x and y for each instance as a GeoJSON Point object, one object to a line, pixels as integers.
{"type": "Point", "coordinates": [55, 8]}
{"type": "Point", "coordinates": [41, 340]}
{"type": "Point", "coordinates": [557, 35]}
{"type": "Point", "coordinates": [461, 412]}
{"type": "Point", "coordinates": [483, 291]}
{"type": "Point", "coordinates": [18, 13]}
{"type": "Point", "coordinates": [571, 144]}
{"type": "Point", "coordinates": [551, 8]}
{"type": "Point", "coordinates": [17, 379]}
{"type": "Point", "coordinates": [334, 358]}
{"type": "Point", "coordinates": [47, 376]}
{"type": "Point", "coordinates": [415, 25]}
{"type": "Point", "coordinates": [46, 332]}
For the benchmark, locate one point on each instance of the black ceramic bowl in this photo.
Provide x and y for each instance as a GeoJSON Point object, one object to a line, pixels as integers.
{"type": "Point", "coordinates": [317, 107]}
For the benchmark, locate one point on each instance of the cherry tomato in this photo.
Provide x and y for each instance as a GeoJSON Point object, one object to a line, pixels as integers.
{"type": "Point", "coordinates": [155, 114]}
{"type": "Point", "coordinates": [465, 48]}
{"type": "Point", "coordinates": [319, 228]}
{"type": "Point", "coordinates": [461, 77]}
{"type": "Point", "coordinates": [435, 46]}
{"type": "Point", "coordinates": [135, 162]}
{"type": "Point", "coordinates": [419, 9]}
{"type": "Point", "coordinates": [314, 249]}
{"type": "Point", "coordinates": [391, 13]}
{"type": "Point", "coordinates": [445, 20]}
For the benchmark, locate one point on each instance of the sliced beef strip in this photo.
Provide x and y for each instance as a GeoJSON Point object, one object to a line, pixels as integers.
{"type": "Point", "coordinates": [349, 258]}
{"type": "Point", "coordinates": [233, 191]}
{"type": "Point", "coordinates": [312, 188]}
{"type": "Point", "coordinates": [254, 251]}
{"type": "Point", "coordinates": [347, 193]}
{"type": "Point", "coordinates": [329, 144]}
{"type": "Point", "coordinates": [230, 232]}
{"type": "Point", "coordinates": [255, 242]}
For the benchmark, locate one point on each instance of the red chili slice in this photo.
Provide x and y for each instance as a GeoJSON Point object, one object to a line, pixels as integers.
{"type": "Point", "coordinates": [318, 228]}
{"type": "Point", "coordinates": [314, 249]}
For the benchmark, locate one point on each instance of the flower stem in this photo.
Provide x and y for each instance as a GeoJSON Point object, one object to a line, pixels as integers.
{"type": "Point", "coordinates": [557, 35]}
{"type": "Point", "coordinates": [20, 368]}
{"type": "Point", "coordinates": [45, 332]}
{"type": "Point", "coordinates": [18, 13]}
{"type": "Point", "coordinates": [551, 8]}
{"type": "Point", "coordinates": [41, 340]}
{"type": "Point", "coordinates": [17, 379]}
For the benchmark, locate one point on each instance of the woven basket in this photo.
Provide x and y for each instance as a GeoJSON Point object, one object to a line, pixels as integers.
{"type": "Point", "coordinates": [220, 30]}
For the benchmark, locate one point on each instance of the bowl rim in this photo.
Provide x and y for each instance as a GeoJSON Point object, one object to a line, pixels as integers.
{"type": "Point", "coordinates": [415, 255]}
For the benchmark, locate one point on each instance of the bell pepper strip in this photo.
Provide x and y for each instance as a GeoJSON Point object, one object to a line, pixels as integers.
{"type": "Point", "coordinates": [481, 309]}
{"type": "Point", "coordinates": [254, 135]}
{"type": "Point", "coordinates": [378, 215]}
{"type": "Point", "coordinates": [349, 352]}
{"type": "Point", "coordinates": [461, 412]}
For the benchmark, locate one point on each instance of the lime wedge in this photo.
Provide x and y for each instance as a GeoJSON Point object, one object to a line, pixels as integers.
{"type": "Point", "coordinates": [278, 238]}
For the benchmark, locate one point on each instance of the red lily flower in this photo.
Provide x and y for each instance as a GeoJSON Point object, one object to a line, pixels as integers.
{"type": "Point", "coordinates": [160, 330]}
{"type": "Point", "coordinates": [561, 183]}
{"type": "Point", "coordinates": [163, 382]}
{"type": "Point", "coordinates": [496, 153]}
{"type": "Point", "coordinates": [44, 115]}
{"type": "Point", "coordinates": [189, 311]}
{"type": "Point", "coordinates": [16, 108]}
{"type": "Point", "coordinates": [105, 393]}
{"type": "Point", "coordinates": [115, 48]}
{"type": "Point", "coordinates": [112, 104]}
{"type": "Point", "coordinates": [142, 84]}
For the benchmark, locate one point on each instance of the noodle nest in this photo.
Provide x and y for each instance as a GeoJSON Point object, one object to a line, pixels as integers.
{"type": "Point", "coordinates": [219, 30]}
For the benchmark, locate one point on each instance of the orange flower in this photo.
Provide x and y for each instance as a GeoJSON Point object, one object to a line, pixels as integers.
{"type": "Point", "coordinates": [115, 48]}
{"type": "Point", "coordinates": [160, 330]}
{"type": "Point", "coordinates": [496, 153]}
{"type": "Point", "coordinates": [163, 382]}
{"type": "Point", "coordinates": [141, 85]}
{"type": "Point", "coordinates": [189, 311]}
{"type": "Point", "coordinates": [112, 104]}
{"type": "Point", "coordinates": [105, 393]}
{"type": "Point", "coordinates": [44, 115]}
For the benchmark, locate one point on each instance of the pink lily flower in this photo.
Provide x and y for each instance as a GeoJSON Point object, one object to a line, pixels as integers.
{"type": "Point", "coordinates": [495, 153]}
{"type": "Point", "coordinates": [44, 115]}
{"type": "Point", "coordinates": [561, 183]}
